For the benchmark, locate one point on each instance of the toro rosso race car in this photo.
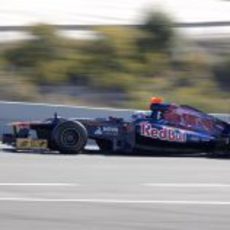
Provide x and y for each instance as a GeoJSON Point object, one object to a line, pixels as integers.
{"type": "Point", "coordinates": [165, 127]}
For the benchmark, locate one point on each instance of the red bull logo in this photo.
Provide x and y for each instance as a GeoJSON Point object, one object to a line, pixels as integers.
{"type": "Point", "coordinates": [164, 134]}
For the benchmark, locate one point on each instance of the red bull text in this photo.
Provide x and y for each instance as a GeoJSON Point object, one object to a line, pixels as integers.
{"type": "Point", "coordinates": [164, 134]}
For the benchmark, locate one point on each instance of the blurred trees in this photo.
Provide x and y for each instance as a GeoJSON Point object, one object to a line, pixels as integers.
{"type": "Point", "coordinates": [157, 33]}
{"type": "Point", "coordinates": [41, 48]}
{"type": "Point", "coordinates": [222, 73]}
{"type": "Point", "coordinates": [48, 58]}
{"type": "Point", "coordinates": [136, 61]}
{"type": "Point", "coordinates": [33, 57]}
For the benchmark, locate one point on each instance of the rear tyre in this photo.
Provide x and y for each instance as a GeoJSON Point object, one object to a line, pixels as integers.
{"type": "Point", "coordinates": [69, 137]}
{"type": "Point", "coordinates": [221, 149]}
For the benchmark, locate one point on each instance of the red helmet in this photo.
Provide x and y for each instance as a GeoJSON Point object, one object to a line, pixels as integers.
{"type": "Point", "coordinates": [156, 100]}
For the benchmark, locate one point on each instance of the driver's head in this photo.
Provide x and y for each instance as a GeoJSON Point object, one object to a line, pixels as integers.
{"type": "Point", "coordinates": [155, 101]}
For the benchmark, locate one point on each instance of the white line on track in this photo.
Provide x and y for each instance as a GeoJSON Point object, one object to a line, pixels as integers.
{"type": "Point", "coordinates": [40, 184]}
{"type": "Point", "coordinates": [188, 185]}
{"type": "Point", "coordinates": [115, 201]}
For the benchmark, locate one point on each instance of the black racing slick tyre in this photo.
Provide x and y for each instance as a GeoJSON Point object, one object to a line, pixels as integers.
{"type": "Point", "coordinates": [69, 137]}
{"type": "Point", "coordinates": [221, 149]}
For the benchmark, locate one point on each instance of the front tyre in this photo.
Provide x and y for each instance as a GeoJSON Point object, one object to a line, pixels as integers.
{"type": "Point", "coordinates": [69, 137]}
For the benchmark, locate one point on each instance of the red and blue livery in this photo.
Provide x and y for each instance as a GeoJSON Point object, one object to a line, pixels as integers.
{"type": "Point", "coordinates": [165, 128]}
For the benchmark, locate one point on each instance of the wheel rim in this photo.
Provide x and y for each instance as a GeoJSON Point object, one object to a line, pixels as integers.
{"type": "Point", "coordinates": [70, 137]}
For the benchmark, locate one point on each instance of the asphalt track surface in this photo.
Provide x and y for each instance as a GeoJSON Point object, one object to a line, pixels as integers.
{"type": "Point", "coordinates": [93, 191]}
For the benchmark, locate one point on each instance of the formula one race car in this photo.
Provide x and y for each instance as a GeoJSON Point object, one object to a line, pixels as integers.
{"type": "Point", "coordinates": [165, 128]}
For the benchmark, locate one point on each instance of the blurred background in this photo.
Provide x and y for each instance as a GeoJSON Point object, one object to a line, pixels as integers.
{"type": "Point", "coordinates": [116, 53]}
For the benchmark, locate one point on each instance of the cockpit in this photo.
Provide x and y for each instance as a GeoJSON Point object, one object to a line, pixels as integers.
{"type": "Point", "coordinates": [180, 116]}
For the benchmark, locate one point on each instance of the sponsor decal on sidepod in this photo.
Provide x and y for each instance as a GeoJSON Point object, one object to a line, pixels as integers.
{"type": "Point", "coordinates": [165, 134]}
{"type": "Point", "coordinates": [107, 130]}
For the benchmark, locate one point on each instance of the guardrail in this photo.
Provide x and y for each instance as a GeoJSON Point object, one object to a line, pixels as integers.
{"type": "Point", "coordinates": [92, 27]}
{"type": "Point", "coordinates": [18, 111]}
